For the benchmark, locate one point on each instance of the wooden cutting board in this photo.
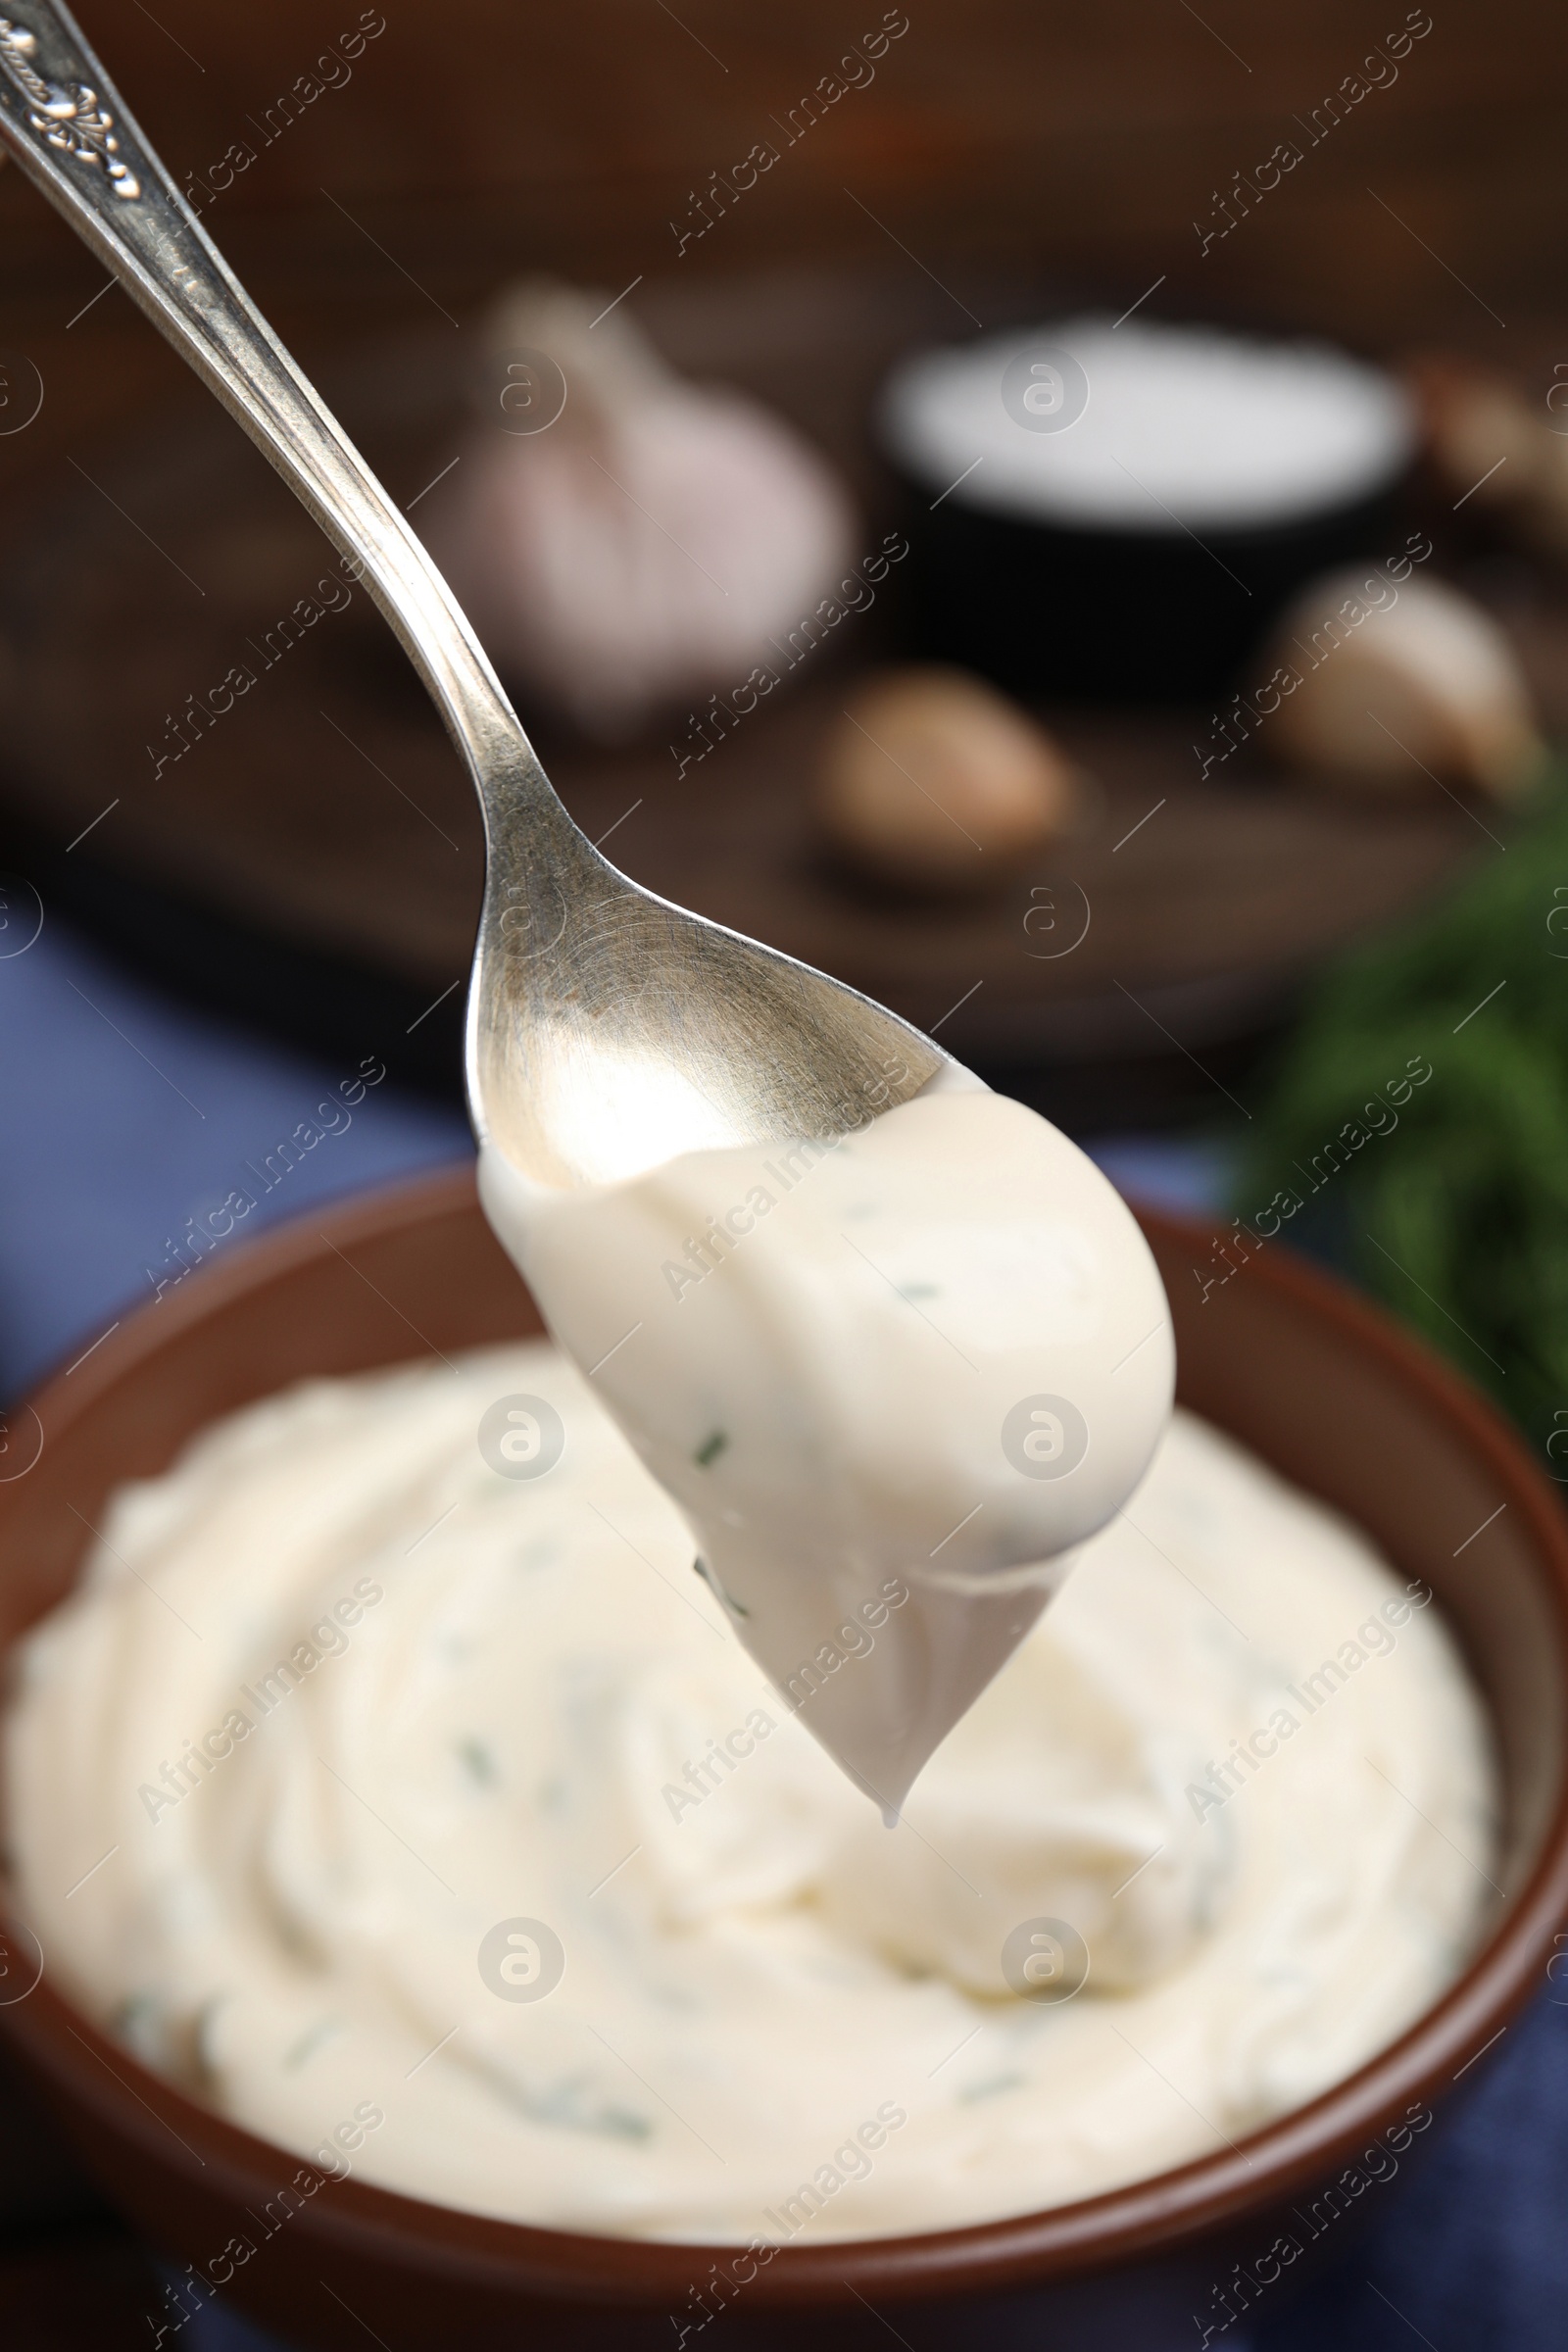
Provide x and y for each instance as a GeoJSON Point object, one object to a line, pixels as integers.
{"type": "Point", "coordinates": [325, 821]}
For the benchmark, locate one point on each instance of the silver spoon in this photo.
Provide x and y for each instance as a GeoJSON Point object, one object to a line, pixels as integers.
{"type": "Point", "coordinates": [608, 1029]}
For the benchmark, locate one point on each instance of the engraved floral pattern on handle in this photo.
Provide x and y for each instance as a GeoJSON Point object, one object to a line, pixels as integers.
{"type": "Point", "coordinates": [66, 115]}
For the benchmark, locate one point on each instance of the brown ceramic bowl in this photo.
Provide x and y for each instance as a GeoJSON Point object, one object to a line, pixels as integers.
{"type": "Point", "coordinates": [1293, 1366]}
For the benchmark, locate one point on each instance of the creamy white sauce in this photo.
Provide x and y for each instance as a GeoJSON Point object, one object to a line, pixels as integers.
{"type": "Point", "coordinates": [1180, 427]}
{"type": "Point", "coordinates": [933, 1355]}
{"type": "Point", "coordinates": [342, 1696]}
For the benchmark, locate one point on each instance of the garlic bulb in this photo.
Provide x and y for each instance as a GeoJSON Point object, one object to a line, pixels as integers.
{"type": "Point", "coordinates": [643, 545]}
{"type": "Point", "coordinates": [1422, 680]}
{"type": "Point", "coordinates": [1492, 445]}
{"type": "Point", "coordinates": [932, 780]}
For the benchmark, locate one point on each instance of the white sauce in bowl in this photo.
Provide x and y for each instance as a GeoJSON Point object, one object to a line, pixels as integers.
{"type": "Point", "coordinates": [344, 1698]}
{"type": "Point", "coordinates": [1184, 427]}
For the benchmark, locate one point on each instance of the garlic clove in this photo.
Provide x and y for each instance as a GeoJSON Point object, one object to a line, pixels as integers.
{"type": "Point", "coordinates": [650, 542]}
{"type": "Point", "coordinates": [1425, 681]}
{"type": "Point", "coordinates": [1492, 445]}
{"type": "Point", "coordinates": [930, 779]}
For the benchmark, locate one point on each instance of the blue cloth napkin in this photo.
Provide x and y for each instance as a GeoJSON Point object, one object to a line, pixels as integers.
{"type": "Point", "coordinates": [125, 1117]}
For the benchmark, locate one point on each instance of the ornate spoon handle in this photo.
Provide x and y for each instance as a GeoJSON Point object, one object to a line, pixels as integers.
{"type": "Point", "coordinates": [74, 137]}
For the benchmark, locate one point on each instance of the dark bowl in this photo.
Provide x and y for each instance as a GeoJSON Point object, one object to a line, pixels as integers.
{"type": "Point", "coordinates": [1052, 613]}
{"type": "Point", "coordinates": [1288, 1361]}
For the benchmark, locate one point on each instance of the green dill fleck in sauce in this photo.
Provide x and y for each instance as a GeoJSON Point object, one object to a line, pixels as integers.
{"type": "Point", "coordinates": [711, 1449]}
{"type": "Point", "coordinates": [988, 2089]}
{"type": "Point", "coordinates": [135, 2018]}
{"type": "Point", "coordinates": [479, 1761]}
{"type": "Point", "coordinates": [310, 2043]}
{"type": "Point", "coordinates": [569, 2106]}
{"type": "Point", "coordinates": [737, 1608]}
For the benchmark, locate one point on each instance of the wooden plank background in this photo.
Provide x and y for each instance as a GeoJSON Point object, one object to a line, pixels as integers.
{"type": "Point", "coordinates": [1001, 146]}
{"type": "Point", "coordinates": [1079, 141]}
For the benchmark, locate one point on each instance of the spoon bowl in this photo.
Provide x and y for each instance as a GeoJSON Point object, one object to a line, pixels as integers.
{"type": "Point", "coordinates": [609, 1030]}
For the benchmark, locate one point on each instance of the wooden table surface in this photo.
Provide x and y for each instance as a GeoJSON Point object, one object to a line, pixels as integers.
{"type": "Point", "coordinates": [327, 817]}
